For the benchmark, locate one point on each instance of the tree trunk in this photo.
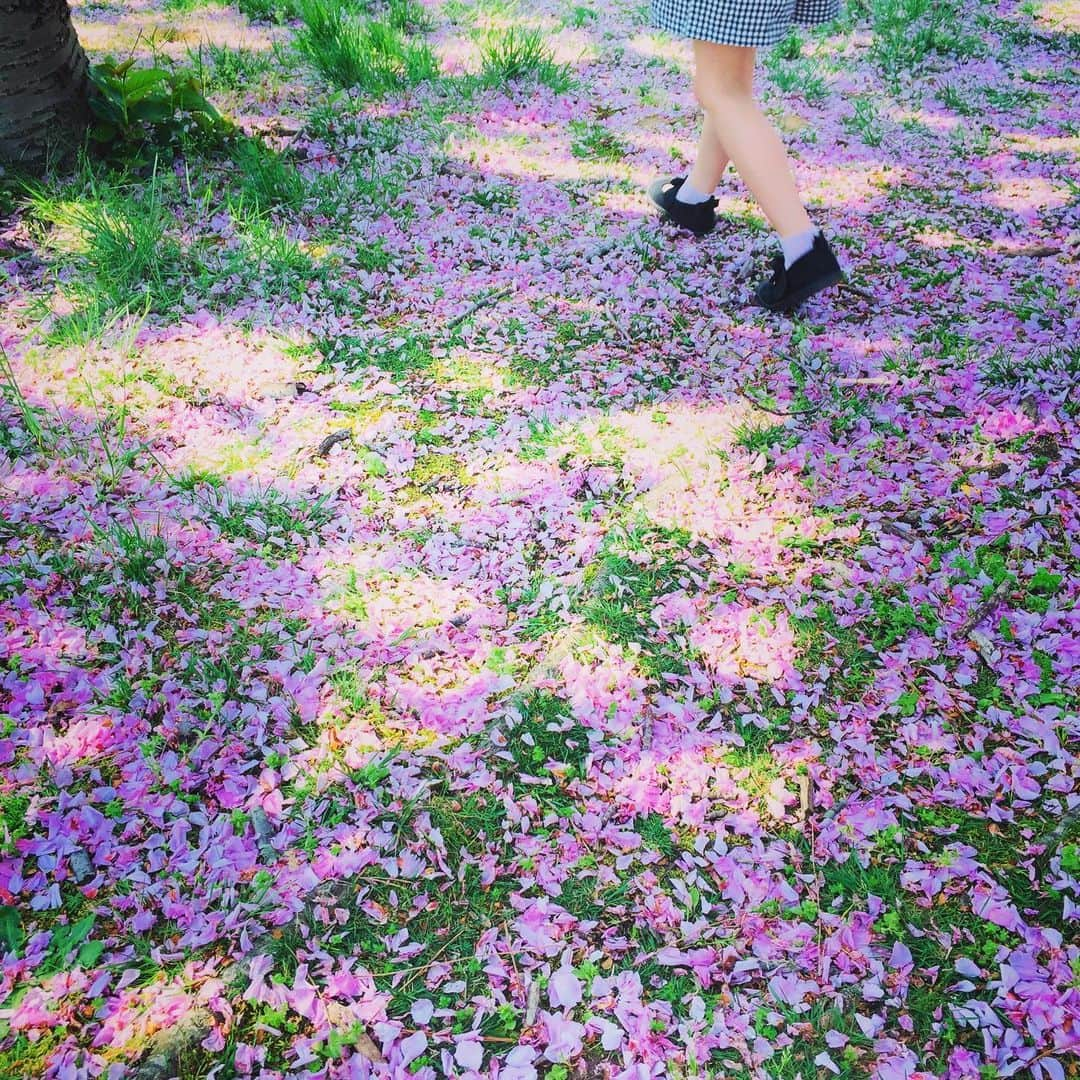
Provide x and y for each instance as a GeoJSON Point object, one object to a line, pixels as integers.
{"type": "Point", "coordinates": [44, 86]}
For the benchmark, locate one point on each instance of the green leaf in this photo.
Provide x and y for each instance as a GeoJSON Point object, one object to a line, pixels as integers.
{"type": "Point", "coordinates": [1070, 858]}
{"type": "Point", "coordinates": [104, 107]}
{"type": "Point", "coordinates": [150, 111]}
{"type": "Point", "coordinates": [11, 932]}
{"type": "Point", "coordinates": [90, 953]}
{"type": "Point", "coordinates": [104, 133]}
{"type": "Point", "coordinates": [374, 465]}
{"type": "Point", "coordinates": [908, 702]}
{"type": "Point", "coordinates": [1045, 582]}
{"type": "Point", "coordinates": [139, 84]}
{"type": "Point", "coordinates": [66, 938]}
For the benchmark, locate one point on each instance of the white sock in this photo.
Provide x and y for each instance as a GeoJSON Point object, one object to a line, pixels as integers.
{"type": "Point", "coordinates": [797, 245]}
{"type": "Point", "coordinates": [688, 194]}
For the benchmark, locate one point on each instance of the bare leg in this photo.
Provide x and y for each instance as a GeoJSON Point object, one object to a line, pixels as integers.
{"type": "Point", "coordinates": [724, 83]}
{"type": "Point", "coordinates": [711, 159]}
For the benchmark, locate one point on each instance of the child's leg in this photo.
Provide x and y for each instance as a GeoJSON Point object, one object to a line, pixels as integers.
{"type": "Point", "coordinates": [724, 83]}
{"type": "Point", "coordinates": [711, 159]}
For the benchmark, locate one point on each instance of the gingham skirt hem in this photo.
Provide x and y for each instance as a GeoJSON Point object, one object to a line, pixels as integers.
{"type": "Point", "coordinates": [750, 23]}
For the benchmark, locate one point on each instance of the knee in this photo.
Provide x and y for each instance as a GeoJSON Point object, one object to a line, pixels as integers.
{"type": "Point", "coordinates": [716, 89]}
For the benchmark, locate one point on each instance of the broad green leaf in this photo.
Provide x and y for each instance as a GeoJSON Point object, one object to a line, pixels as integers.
{"type": "Point", "coordinates": [90, 952]}
{"type": "Point", "coordinates": [143, 82]}
{"type": "Point", "coordinates": [11, 932]}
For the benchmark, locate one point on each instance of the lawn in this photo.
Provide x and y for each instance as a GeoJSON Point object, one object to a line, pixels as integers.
{"type": "Point", "coordinates": [446, 631]}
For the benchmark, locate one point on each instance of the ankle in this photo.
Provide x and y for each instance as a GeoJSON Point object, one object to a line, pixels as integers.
{"type": "Point", "coordinates": [690, 193]}
{"type": "Point", "coordinates": [796, 245]}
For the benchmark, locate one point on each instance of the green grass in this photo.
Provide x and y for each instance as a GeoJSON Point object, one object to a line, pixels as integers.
{"type": "Point", "coordinates": [580, 16]}
{"type": "Point", "coordinates": [865, 122]}
{"type": "Point", "coordinates": [268, 10]}
{"type": "Point", "coordinates": [350, 51]}
{"type": "Point", "coordinates": [448, 922]}
{"type": "Point", "coordinates": [406, 353]}
{"type": "Point", "coordinates": [181, 7]}
{"type": "Point", "coordinates": [13, 821]}
{"type": "Point", "coordinates": [544, 733]}
{"type": "Point", "coordinates": [118, 239]}
{"type": "Point", "coordinates": [760, 438]}
{"type": "Point", "coordinates": [592, 141]}
{"type": "Point", "coordinates": [517, 54]}
{"type": "Point", "coordinates": [408, 15]}
{"type": "Point", "coordinates": [654, 831]}
{"type": "Point", "coordinates": [585, 898]}
{"type": "Point", "coordinates": [797, 76]}
{"type": "Point", "coordinates": [265, 179]}
{"type": "Point", "coordinates": [219, 67]}
{"type": "Point", "coordinates": [634, 568]}
{"type": "Point", "coordinates": [906, 32]}
{"type": "Point", "coordinates": [275, 523]}
{"type": "Point", "coordinates": [822, 640]}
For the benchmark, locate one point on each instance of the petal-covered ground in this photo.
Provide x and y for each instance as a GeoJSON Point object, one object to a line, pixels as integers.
{"type": "Point", "coordinates": [445, 631]}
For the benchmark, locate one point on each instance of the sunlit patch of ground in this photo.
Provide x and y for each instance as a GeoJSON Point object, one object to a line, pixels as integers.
{"type": "Point", "coordinates": [444, 628]}
{"type": "Point", "coordinates": [148, 32]}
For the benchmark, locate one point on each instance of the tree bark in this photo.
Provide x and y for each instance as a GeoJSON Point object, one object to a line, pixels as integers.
{"type": "Point", "coordinates": [44, 85]}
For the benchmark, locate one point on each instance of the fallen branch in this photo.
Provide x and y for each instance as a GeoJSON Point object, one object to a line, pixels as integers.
{"type": "Point", "coordinates": [331, 440]}
{"type": "Point", "coordinates": [647, 732]}
{"type": "Point", "coordinates": [621, 331]}
{"type": "Point", "coordinates": [492, 297]}
{"type": "Point", "coordinates": [1001, 590]}
{"type": "Point", "coordinates": [865, 294]}
{"type": "Point", "coordinates": [1030, 251]}
{"type": "Point", "coordinates": [868, 380]}
{"type": "Point", "coordinates": [775, 412]}
{"type": "Point", "coordinates": [532, 1004]}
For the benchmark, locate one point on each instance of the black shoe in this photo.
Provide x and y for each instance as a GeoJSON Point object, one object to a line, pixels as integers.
{"type": "Point", "coordinates": [807, 275]}
{"type": "Point", "coordinates": [699, 218]}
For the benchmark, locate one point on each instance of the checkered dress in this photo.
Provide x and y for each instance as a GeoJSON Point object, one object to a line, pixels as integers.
{"type": "Point", "coordinates": [758, 23]}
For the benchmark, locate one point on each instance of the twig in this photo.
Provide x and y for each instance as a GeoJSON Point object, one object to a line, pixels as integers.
{"type": "Point", "coordinates": [775, 412]}
{"type": "Point", "coordinates": [532, 1004]}
{"type": "Point", "coordinates": [846, 286]}
{"type": "Point", "coordinates": [331, 440]}
{"type": "Point", "coordinates": [609, 315]}
{"type": "Point", "coordinates": [806, 797]}
{"type": "Point", "coordinates": [1031, 251]}
{"type": "Point", "coordinates": [488, 298]}
{"type": "Point", "coordinates": [869, 380]}
{"type": "Point", "coordinates": [984, 647]}
{"type": "Point", "coordinates": [1001, 589]}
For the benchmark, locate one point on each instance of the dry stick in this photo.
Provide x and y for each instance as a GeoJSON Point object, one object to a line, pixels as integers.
{"type": "Point", "coordinates": [775, 412]}
{"type": "Point", "coordinates": [332, 440]}
{"type": "Point", "coordinates": [620, 330]}
{"type": "Point", "coordinates": [532, 1004]}
{"type": "Point", "coordinates": [868, 380]}
{"type": "Point", "coordinates": [846, 286]}
{"type": "Point", "coordinates": [1001, 590]}
{"type": "Point", "coordinates": [1032, 251]}
{"type": "Point", "coordinates": [489, 298]}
